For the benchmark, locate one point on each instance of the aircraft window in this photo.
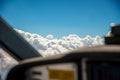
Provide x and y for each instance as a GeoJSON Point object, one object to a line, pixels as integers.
{"type": "Point", "coordinates": [57, 26]}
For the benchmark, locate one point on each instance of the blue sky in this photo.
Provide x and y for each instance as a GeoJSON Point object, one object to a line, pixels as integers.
{"type": "Point", "coordinates": [61, 17]}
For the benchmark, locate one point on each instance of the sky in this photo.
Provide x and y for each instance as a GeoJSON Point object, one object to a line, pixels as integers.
{"type": "Point", "coordinates": [61, 17]}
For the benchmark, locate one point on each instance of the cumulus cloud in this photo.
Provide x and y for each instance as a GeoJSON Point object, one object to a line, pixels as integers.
{"type": "Point", "coordinates": [50, 45]}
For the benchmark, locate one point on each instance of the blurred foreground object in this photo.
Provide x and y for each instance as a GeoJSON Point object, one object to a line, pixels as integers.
{"type": "Point", "coordinates": [14, 44]}
{"type": "Point", "coordinates": [114, 37]}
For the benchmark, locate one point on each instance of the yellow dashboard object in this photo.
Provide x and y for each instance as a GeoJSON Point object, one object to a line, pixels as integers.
{"type": "Point", "coordinates": [61, 75]}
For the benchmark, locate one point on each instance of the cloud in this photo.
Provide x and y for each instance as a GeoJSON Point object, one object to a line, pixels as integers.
{"type": "Point", "coordinates": [6, 63]}
{"type": "Point", "coordinates": [50, 45]}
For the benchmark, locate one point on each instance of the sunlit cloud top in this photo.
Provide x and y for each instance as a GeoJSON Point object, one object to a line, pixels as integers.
{"type": "Point", "coordinates": [50, 45]}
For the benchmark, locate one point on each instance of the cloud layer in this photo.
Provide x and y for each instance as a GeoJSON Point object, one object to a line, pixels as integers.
{"type": "Point", "coordinates": [50, 45]}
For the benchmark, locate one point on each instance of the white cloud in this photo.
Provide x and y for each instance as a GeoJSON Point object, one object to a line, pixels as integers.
{"type": "Point", "coordinates": [50, 45]}
{"type": "Point", "coordinates": [6, 63]}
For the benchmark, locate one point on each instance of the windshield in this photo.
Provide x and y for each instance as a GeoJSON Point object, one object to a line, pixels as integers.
{"type": "Point", "coordinates": [56, 26]}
